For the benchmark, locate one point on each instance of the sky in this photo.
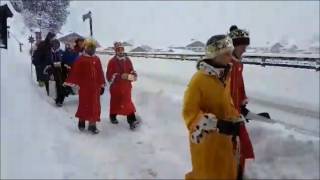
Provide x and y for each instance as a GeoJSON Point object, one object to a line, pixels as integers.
{"type": "Point", "coordinates": [166, 23]}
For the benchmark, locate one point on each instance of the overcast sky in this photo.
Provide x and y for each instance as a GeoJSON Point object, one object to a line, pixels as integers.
{"type": "Point", "coordinates": [161, 24]}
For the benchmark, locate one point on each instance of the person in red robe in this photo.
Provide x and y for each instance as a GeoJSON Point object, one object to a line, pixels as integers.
{"type": "Point", "coordinates": [120, 75]}
{"type": "Point", "coordinates": [87, 75]}
{"type": "Point", "coordinates": [241, 41]}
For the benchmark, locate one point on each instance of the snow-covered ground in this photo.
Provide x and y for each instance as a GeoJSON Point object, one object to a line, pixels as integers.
{"type": "Point", "coordinates": [39, 140]}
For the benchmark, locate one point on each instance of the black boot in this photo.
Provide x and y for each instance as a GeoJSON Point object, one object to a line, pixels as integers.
{"type": "Point", "coordinates": [58, 104]}
{"type": "Point", "coordinates": [93, 129]}
{"type": "Point", "coordinates": [46, 83]}
{"type": "Point", "coordinates": [81, 125]}
{"type": "Point", "coordinates": [113, 119]}
{"type": "Point", "coordinates": [132, 120]}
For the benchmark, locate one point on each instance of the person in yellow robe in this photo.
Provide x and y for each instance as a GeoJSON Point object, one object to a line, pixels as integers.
{"type": "Point", "coordinates": [210, 116]}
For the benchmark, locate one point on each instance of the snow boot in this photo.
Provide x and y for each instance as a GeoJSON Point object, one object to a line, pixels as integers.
{"type": "Point", "coordinates": [133, 122]}
{"type": "Point", "coordinates": [113, 119]}
{"type": "Point", "coordinates": [93, 129]}
{"type": "Point", "coordinates": [58, 104]}
{"type": "Point", "coordinates": [40, 83]}
{"type": "Point", "coordinates": [81, 125]}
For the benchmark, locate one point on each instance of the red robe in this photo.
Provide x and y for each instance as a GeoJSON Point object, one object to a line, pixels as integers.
{"type": "Point", "coordinates": [120, 89]}
{"type": "Point", "coordinates": [87, 74]}
{"type": "Point", "coordinates": [239, 98]}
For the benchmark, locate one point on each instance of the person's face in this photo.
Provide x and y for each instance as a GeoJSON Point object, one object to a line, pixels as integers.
{"type": "Point", "coordinates": [239, 50]}
{"type": "Point", "coordinates": [223, 59]}
{"type": "Point", "coordinates": [120, 51]}
{"type": "Point", "coordinates": [55, 45]}
{"type": "Point", "coordinates": [81, 44]}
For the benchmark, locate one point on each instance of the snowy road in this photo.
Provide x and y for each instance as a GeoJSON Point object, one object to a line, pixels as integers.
{"type": "Point", "coordinates": [39, 140]}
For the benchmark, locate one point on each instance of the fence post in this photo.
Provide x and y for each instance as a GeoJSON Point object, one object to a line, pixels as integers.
{"type": "Point", "coordinates": [263, 61]}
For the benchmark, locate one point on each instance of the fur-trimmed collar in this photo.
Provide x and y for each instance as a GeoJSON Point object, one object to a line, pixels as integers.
{"type": "Point", "coordinates": [219, 72]}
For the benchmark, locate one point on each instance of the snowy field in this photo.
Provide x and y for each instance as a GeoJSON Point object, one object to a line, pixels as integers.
{"type": "Point", "coordinates": [39, 140]}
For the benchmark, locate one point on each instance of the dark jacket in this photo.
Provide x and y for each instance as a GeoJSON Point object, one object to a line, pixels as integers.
{"type": "Point", "coordinates": [42, 57]}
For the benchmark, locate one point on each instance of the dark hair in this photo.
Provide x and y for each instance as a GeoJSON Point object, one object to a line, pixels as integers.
{"type": "Point", "coordinates": [233, 27]}
{"type": "Point", "coordinates": [78, 40]}
{"type": "Point", "coordinates": [55, 43]}
{"type": "Point", "coordinates": [50, 36]}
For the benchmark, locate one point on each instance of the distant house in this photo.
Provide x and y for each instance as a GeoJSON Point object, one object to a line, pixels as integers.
{"type": "Point", "coordinates": [293, 49]}
{"type": "Point", "coordinates": [70, 39]}
{"type": "Point", "coordinates": [127, 46]}
{"type": "Point", "coordinates": [147, 48]}
{"type": "Point", "coordinates": [276, 48]}
{"type": "Point", "coordinates": [196, 46]}
{"type": "Point", "coordinates": [139, 49]}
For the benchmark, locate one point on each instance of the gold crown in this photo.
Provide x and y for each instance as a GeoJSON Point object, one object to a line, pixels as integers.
{"type": "Point", "coordinates": [90, 43]}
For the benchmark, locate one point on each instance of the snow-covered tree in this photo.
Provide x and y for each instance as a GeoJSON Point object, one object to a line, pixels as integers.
{"type": "Point", "coordinates": [48, 15]}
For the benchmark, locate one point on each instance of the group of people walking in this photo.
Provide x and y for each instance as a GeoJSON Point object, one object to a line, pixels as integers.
{"type": "Point", "coordinates": [214, 106]}
{"type": "Point", "coordinates": [79, 68]}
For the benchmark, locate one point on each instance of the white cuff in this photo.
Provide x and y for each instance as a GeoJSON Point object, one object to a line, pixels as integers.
{"type": "Point", "coordinates": [208, 123]}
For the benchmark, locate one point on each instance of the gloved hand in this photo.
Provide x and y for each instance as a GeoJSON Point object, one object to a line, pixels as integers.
{"type": "Point", "coordinates": [244, 110]}
{"type": "Point", "coordinates": [132, 77]}
{"type": "Point", "coordinates": [207, 124]}
{"type": "Point", "coordinates": [124, 76]}
{"type": "Point", "coordinates": [101, 91]}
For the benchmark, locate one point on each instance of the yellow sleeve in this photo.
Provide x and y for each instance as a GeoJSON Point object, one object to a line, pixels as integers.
{"type": "Point", "coordinates": [191, 104]}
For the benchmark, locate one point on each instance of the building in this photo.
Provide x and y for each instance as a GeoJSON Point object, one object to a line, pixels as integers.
{"type": "Point", "coordinates": [127, 46]}
{"type": "Point", "coordinates": [5, 13]}
{"type": "Point", "coordinates": [70, 39]}
{"type": "Point", "coordinates": [276, 48]}
{"type": "Point", "coordinates": [196, 46]}
{"type": "Point", "coordinates": [139, 49]}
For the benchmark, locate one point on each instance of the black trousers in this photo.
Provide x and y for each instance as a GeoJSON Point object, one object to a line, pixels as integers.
{"type": "Point", "coordinates": [59, 78]}
{"type": "Point", "coordinates": [46, 83]}
{"type": "Point", "coordinates": [130, 118]}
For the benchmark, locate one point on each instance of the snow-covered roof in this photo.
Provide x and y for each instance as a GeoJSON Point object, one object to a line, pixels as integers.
{"type": "Point", "coordinates": [139, 49]}
{"type": "Point", "coordinates": [126, 44]}
{"type": "Point", "coordinates": [196, 44]}
{"type": "Point", "coordinates": [70, 38]}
